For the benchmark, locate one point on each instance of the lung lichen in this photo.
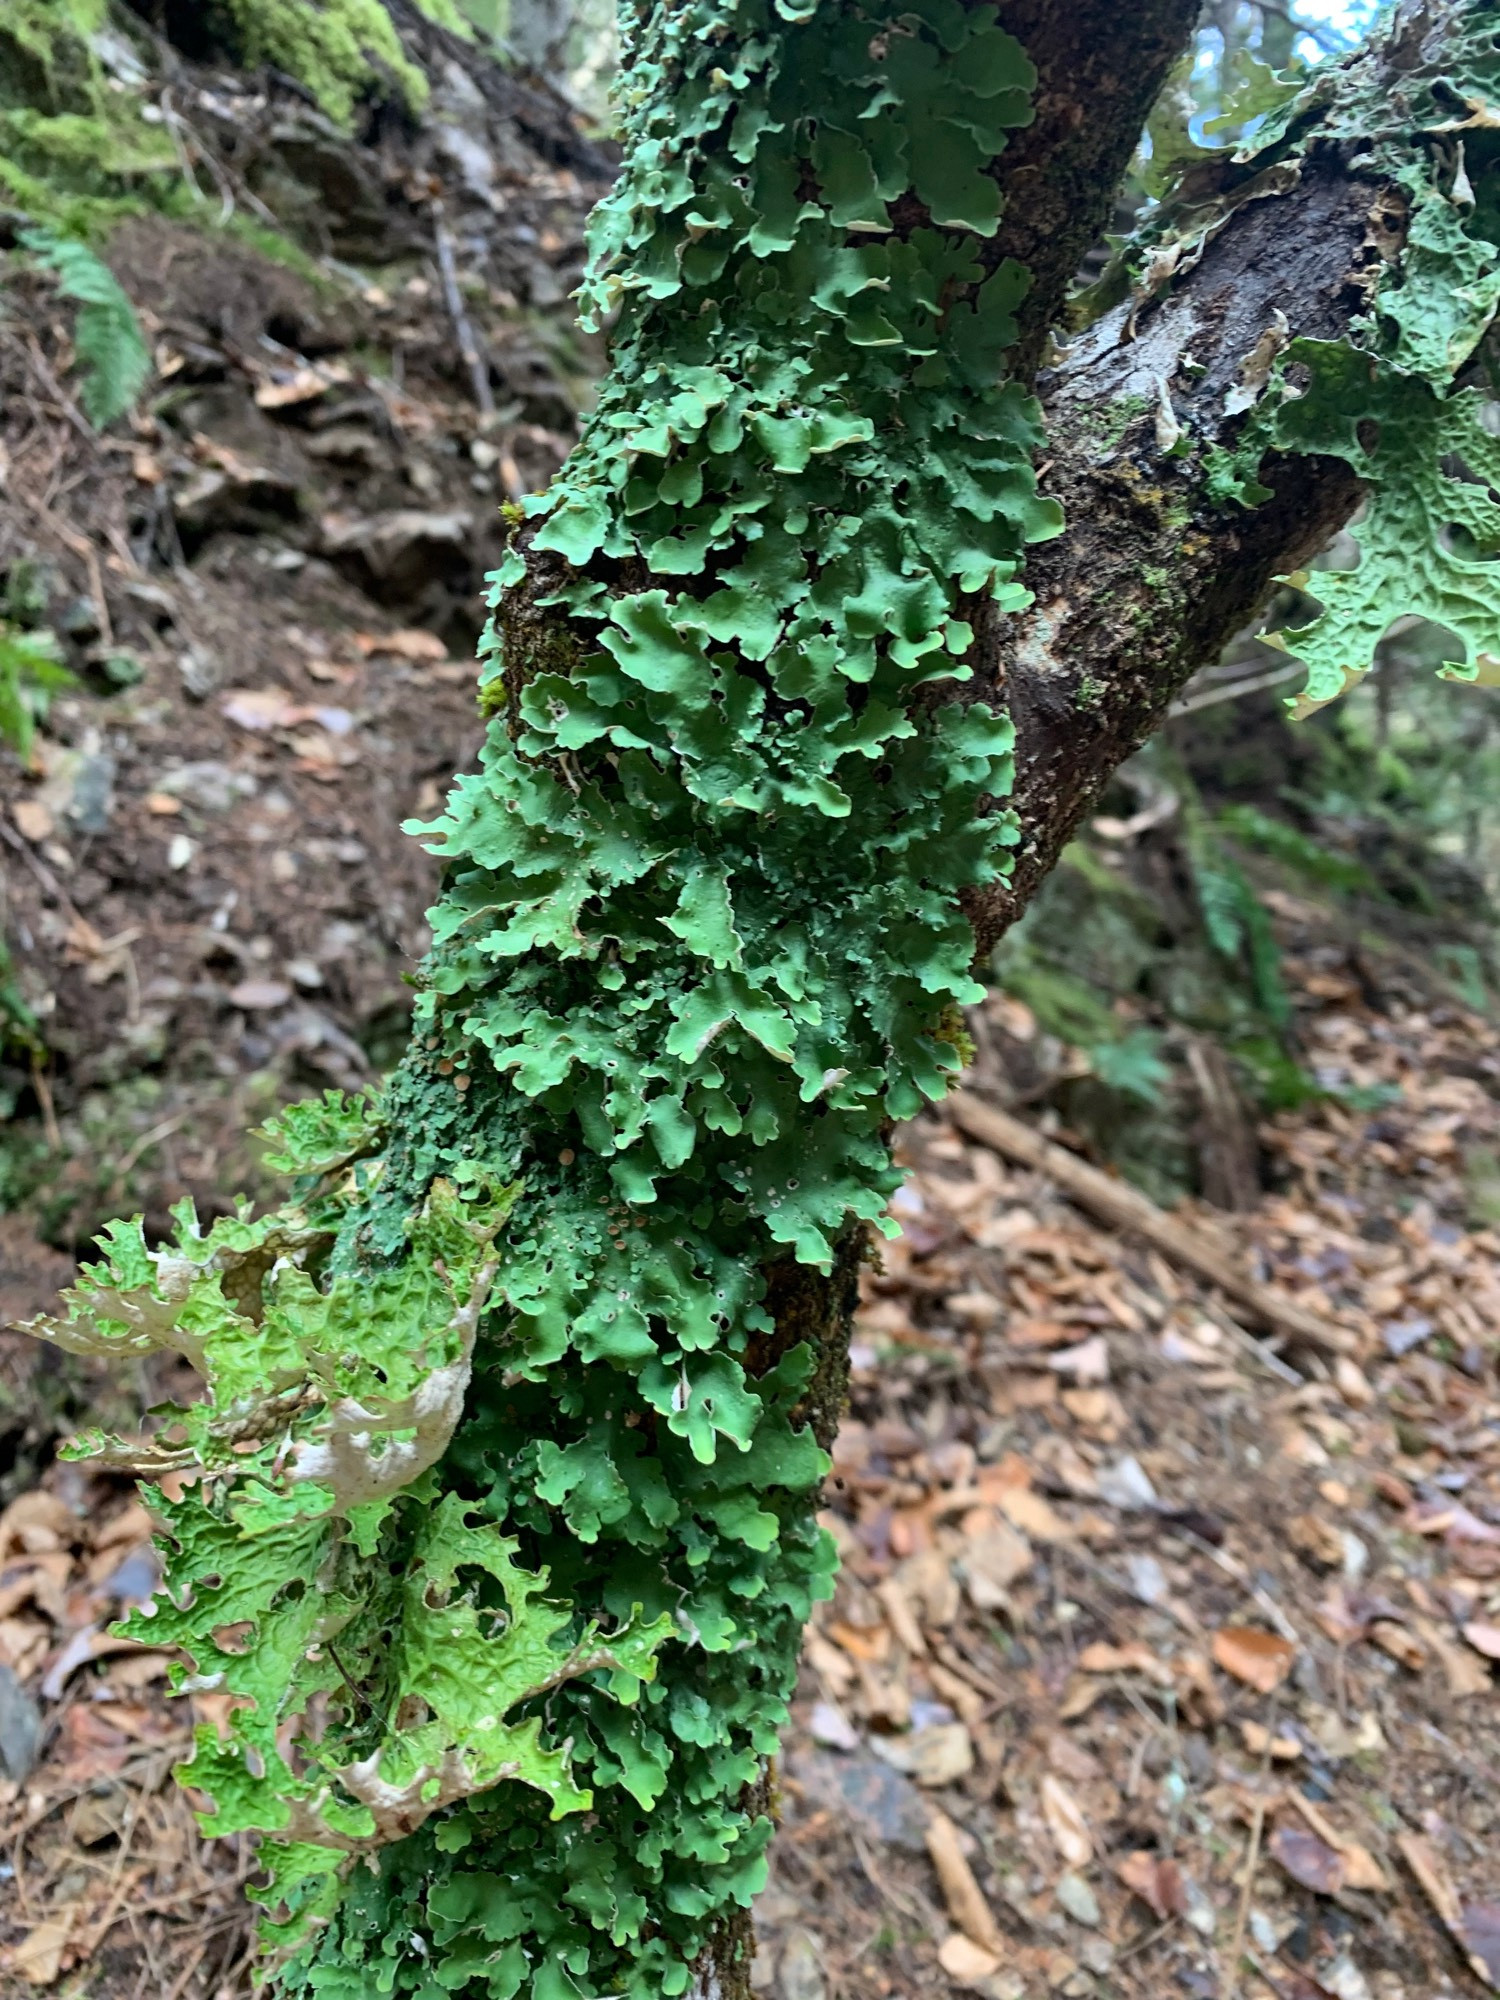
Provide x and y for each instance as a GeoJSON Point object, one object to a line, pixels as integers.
{"type": "Point", "coordinates": [700, 945]}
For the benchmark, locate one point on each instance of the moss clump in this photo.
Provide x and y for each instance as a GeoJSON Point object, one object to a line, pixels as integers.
{"type": "Point", "coordinates": [343, 51]}
{"type": "Point", "coordinates": [73, 152]}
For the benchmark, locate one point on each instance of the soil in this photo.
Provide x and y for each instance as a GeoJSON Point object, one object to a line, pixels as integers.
{"type": "Point", "coordinates": [270, 585]}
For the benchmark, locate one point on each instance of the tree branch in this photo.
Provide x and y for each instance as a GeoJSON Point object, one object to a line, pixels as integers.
{"type": "Point", "coordinates": [1150, 577]}
{"type": "Point", "coordinates": [1100, 68]}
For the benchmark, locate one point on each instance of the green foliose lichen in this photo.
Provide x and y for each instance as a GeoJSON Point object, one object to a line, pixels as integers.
{"type": "Point", "coordinates": [1390, 399]}
{"type": "Point", "coordinates": [699, 946]}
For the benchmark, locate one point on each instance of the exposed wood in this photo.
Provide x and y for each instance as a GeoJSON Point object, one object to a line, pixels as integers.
{"type": "Point", "coordinates": [961, 1891]}
{"type": "Point", "coordinates": [463, 327]}
{"type": "Point", "coordinates": [1150, 578]}
{"type": "Point", "coordinates": [1126, 1208]}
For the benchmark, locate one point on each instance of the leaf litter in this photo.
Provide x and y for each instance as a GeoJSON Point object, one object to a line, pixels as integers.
{"type": "Point", "coordinates": [1085, 1643]}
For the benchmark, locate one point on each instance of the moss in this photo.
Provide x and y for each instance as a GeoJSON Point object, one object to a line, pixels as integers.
{"type": "Point", "coordinates": [1108, 423]}
{"type": "Point", "coordinates": [950, 1029]}
{"type": "Point", "coordinates": [343, 51]}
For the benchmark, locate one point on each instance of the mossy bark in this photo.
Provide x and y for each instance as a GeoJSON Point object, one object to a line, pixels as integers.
{"type": "Point", "coordinates": [700, 944]}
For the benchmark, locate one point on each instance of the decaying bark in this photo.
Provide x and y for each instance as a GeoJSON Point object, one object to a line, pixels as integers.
{"type": "Point", "coordinates": [1150, 578]}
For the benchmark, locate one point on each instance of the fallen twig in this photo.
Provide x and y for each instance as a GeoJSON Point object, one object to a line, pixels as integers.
{"type": "Point", "coordinates": [1127, 1208]}
{"type": "Point", "coordinates": [468, 343]}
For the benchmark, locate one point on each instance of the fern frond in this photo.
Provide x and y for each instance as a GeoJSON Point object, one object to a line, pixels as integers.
{"type": "Point", "coordinates": [111, 348]}
{"type": "Point", "coordinates": [31, 672]}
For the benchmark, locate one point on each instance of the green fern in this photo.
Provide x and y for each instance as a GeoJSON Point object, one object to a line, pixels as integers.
{"type": "Point", "coordinates": [1133, 1065]}
{"type": "Point", "coordinates": [31, 672]}
{"type": "Point", "coordinates": [1236, 921]}
{"type": "Point", "coordinates": [1286, 844]}
{"type": "Point", "coordinates": [111, 348]}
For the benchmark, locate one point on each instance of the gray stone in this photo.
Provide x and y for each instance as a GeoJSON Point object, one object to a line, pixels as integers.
{"type": "Point", "coordinates": [20, 1729]}
{"type": "Point", "coordinates": [801, 1972]}
{"type": "Point", "coordinates": [883, 1804]}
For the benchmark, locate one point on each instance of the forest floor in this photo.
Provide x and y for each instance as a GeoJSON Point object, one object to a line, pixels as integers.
{"type": "Point", "coordinates": [1162, 1661]}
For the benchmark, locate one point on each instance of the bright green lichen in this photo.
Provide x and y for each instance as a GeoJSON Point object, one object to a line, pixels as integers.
{"type": "Point", "coordinates": [1390, 400]}
{"type": "Point", "coordinates": [700, 945]}
{"type": "Point", "coordinates": [504, 1383]}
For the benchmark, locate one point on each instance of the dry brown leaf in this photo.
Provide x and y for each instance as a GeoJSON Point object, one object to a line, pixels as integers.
{"type": "Point", "coordinates": [1039, 1333]}
{"type": "Point", "coordinates": [34, 821]}
{"type": "Point", "coordinates": [262, 708]}
{"type": "Point", "coordinates": [900, 1615]}
{"type": "Point", "coordinates": [412, 644]}
{"type": "Point", "coordinates": [1311, 1536]}
{"type": "Point", "coordinates": [993, 1561]}
{"type": "Point", "coordinates": [35, 1523]}
{"type": "Point", "coordinates": [961, 1892]}
{"type": "Point", "coordinates": [1308, 1860]}
{"type": "Point", "coordinates": [966, 1702]}
{"type": "Point", "coordinates": [1066, 1823]}
{"type": "Point", "coordinates": [1361, 1869]}
{"type": "Point", "coordinates": [870, 1646]}
{"type": "Point", "coordinates": [38, 1957]}
{"type": "Point", "coordinates": [1034, 1516]}
{"type": "Point", "coordinates": [24, 1644]}
{"type": "Point", "coordinates": [1483, 1638]}
{"type": "Point", "coordinates": [1197, 1691]}
{"type": "Point", "coordinates": [1131, 1658]}
{"type": "Point", "coordinates": [929, 1583]}
{"type": "Point", "coordinates": [1261, 1743]}
{"type": "Point", "coordinates": [1465, 1674]}
{"type": "Point", "coordinates": [1398, 1644]}
{"type": "Point", "coordinates": [1157, 1880]}
{"type": "Point", "coordinates": [833, 1667]}
{"type": "Point", "coordinates": [1340, 1619]}
{"type": "Point", "coordinates": [1424, 1861]}
{"type": "Point", "coordinates": [1098, 1410]}
{"type": "Point", "coordinates": [966, 1962]}
{"type": "Point", "coordinates": [1261, 1660]}
{"type": "Point", "coordinates": [1079, 1696]}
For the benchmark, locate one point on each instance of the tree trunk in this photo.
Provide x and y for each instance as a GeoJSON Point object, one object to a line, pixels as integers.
{"type": "Point", "coordinates": [757, 657]}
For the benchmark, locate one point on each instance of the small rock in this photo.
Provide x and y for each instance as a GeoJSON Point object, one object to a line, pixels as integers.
{"type": "Point", "coordinates": [1344, 1978]}
{"type": "Point", "coordinates": [303, 972]}
{"type": "Point", "coordinates": [392, 555]}
{"type": "Point", "coordinates": [1125, 1485]}
{"type": "Point", "coordinates": [1148, 1580]}
{"type": "Point", "coordinates": [199, 672]}
{"type": "Point", "coordinates": [20, 1729]}
{"type": "Point", "coordinates": [831, 1726]}
{"type": "Point", "coordinates": [180, 851]}
{"type": "Point", "coordinates": [211, 786]}
{"type": "Point", "coordinates": [883, 1804]}
{"type": "Point", "coordinates": [801, 1971]}
{"type": "Point", "coordinates": [935, 1756]}
{"type": "Point", "coordinates": [93, 797]}
{"type": "Point", "coordinates": [763, 1967]}
{"type": "Point", "coordinates": [1402, 1335]}
{"type": "Point", "coordinates": [1078, 1899]}
{"type": "Point", "coordinates": [136, 1578]}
